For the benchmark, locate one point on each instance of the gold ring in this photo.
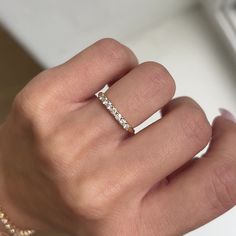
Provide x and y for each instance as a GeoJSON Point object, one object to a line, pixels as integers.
{"type": "Point", "coordinates": [115, 113]}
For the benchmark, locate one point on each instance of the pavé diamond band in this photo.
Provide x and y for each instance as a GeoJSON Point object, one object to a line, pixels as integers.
{"type": "Point", "coordinates": [110, 107]}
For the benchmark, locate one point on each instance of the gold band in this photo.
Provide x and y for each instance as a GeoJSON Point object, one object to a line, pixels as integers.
{"type": "Point", "coordinates": [115, 113]}
{"type": "Point", "coordinates": [12, 229]}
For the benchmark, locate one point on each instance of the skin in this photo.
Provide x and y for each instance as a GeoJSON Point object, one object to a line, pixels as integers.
{"type": "Point", "coordinates": [66, 164]}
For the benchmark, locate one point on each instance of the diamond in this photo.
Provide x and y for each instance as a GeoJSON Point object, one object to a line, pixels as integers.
{"type": "Point", "coordinates": [109, 105]}
{"type": "Point", "coordinates": [126, 126]}
{"type": "Point", "coordinates": [12, 231]}
{"type": "Point", "coordinates": [113, 111]}
{"type": "Point", "coordinates": [118, 116]}
{"type": "Point", "coordinates": [122, 121]}
{"type": "Point", "coordinates": [101, 97]}
{"type": "Point", "coordinates": [4, 221]}
{"type": "Point", "coordinates": [105, 102]}
{"type": "Point", "coordinates": [8, 226]}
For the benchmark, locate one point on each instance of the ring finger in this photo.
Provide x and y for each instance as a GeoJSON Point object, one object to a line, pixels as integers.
{"type": "Point", "coordinates": [137, 96]}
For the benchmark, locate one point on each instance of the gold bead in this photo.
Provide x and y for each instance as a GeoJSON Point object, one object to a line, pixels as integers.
{"type": "Point", "coordinates": [12, 231]}
{"type": "Point", "coordinates": [8, 226]}
{"type": "Point", "coordinates": [4, 220]}
{"type": "Point", "coordinates": [11, 228]}
{"type": "Point", "coordinates": [23, 233]}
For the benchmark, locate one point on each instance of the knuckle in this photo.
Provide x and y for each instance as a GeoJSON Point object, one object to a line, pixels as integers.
{"type": "Point", "coordinates": [195, 125]}
{"type": "Point", "coordinates": [34, 104]}
{"type": "Point", "coordinates": [222, 191]}
{"type": "Point", "coordinates": [116, 51]}
{"type": "Point", "coordinates": [23, 105]}
{"type": "Point", "coordinates": [28, 102]}
{"type": "Point", "coordinates": [157, 68]}
{"type": "Point", "coordinates": [47, 74]}
{"type": "Point", "coordinates": [152, 65]}
{"type": "Point", "coordinates": [153, 81]}
{"type": "Point", "coordinates": [28, 109]}
{"type": "Point", "coordinates": [159, 77]}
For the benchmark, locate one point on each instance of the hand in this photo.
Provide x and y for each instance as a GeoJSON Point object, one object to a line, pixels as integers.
{"type": "Point", "coordinates": [66, 164]}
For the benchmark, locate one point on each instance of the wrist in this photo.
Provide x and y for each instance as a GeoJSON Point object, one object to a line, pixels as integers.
{"type": "Point", "coordinates": [25, 195]}
{"type": "Point", "coordinates": [22, 192]}
{"type": "Point", "coordinates": [10, 190]}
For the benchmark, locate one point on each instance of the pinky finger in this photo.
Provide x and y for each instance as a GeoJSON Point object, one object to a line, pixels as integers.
{"type": "Point", "coordinates": [202, 191]}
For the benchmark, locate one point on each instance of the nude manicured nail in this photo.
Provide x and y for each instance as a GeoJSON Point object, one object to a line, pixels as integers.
{"type": "Point", "coordinates": [227, 115]}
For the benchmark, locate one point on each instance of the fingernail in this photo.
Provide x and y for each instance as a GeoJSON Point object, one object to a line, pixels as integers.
{"type": "Point", "coordinates": [227, 115]}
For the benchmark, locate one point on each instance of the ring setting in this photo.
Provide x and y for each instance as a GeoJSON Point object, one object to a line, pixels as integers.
{"type": "Point", "coordinates": [114, 112]}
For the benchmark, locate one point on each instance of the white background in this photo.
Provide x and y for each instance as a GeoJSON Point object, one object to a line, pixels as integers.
{"type": "Point", "coordinates": [174, 33]}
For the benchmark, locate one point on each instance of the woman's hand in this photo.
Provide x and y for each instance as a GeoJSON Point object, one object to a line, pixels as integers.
{"type": "Point", "coordinates": [66, 164]}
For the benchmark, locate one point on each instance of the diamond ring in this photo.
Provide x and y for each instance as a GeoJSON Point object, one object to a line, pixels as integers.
{"type": "Point", "coordinates": [115, 113]}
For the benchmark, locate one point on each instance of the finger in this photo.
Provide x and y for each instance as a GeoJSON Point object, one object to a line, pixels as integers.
{"type": "Point", "coordinates": [138, 95]}
{"type": "Point", "coordinates": [202, 192]}
{"type": "Point", "coordinates": [162, 148]}
{"type": "Point", "coordinates": [85, 74]}
{"type": "Point", "coordinates": [142, 92]}
{"type": "Point", "coordinates": [223, 127]}
{"type": "Point", "coordinates": [182, 168]}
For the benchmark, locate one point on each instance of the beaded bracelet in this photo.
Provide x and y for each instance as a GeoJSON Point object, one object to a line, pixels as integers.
{"type": "Point", "coordinates": [11, 228]}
